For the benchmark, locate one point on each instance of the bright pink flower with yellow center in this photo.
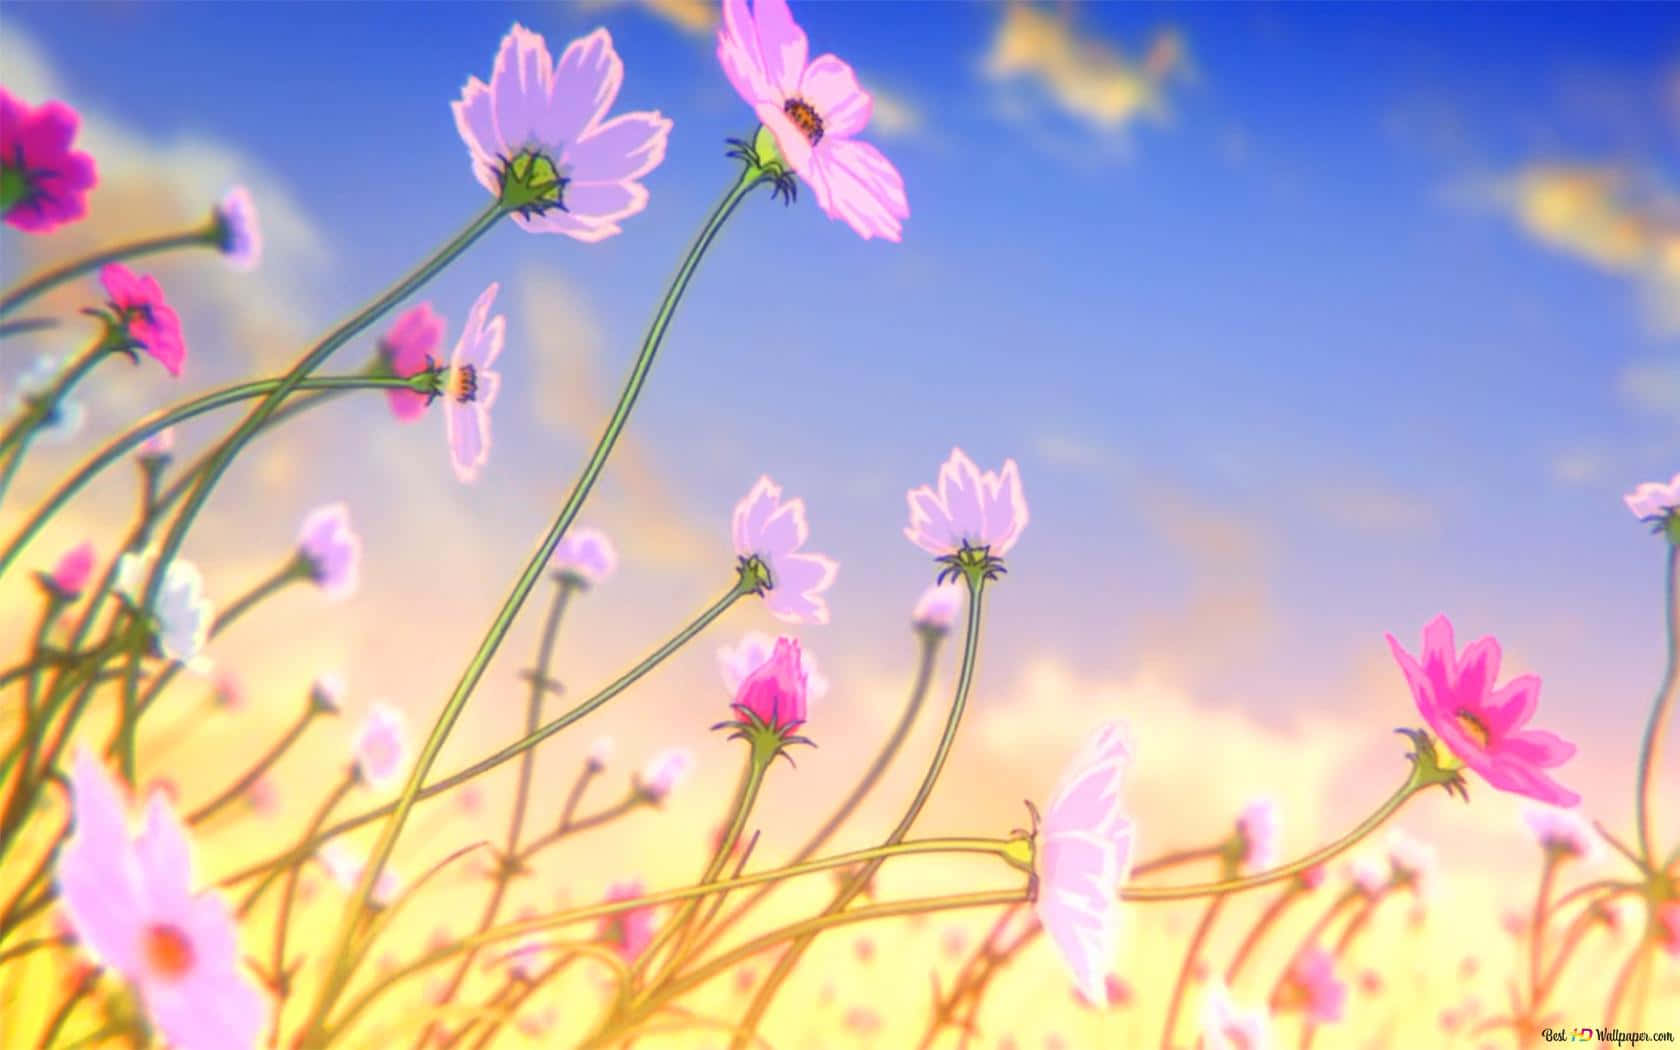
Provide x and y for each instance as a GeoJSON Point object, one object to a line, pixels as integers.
{"type": "Point", "coordinates": [43, 182]}
{"type": "Point", "coordinates": [1480, 724]}
{"type": "Point", "coordinates": [407, 350]}
{"type": "Point", "coordinates": [151, 323]}
{"type": "Point", "coordinates": [470, 387]}
{"type": "Point", "coordinates": [71, 573]}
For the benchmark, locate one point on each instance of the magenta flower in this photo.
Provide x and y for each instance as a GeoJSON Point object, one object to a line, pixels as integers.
{"type": "Point", "coordinates": [407, 350]}
{"type": "Point", "coordinates": [814, 110]}
{"type": "Point", "coordinates": [1479, 723]}
{"type": "Point", "coordinates": [70, 575]}
{"type": "Point", "coordinates": [239, 232]}
{"type": "Point", "coordinates": [43, 182]}
{"type": "Point", "coordinates": [539, 140]}
{"type": "Point", "coordinates": [629, 932]}
{"type": "Point", "coordinates": [585, 556]}
{"type": "Point", "coordinates": [971, 510]}
{"type": "Point", "coordinates": [1563, 832]}
{"type": "Point", "coordinates": [1227, 1026]}
{"type": "Point", "coordinates": [381, 749]}
{"type": "Point", "coordinates": [131, 904]}
{"type": "Point", "coordinates": [1654, 501]}
{"type": "Point", "coordinates": [774, 532]}
{"type": "Point", "coordinates": [664, 772]}
{"type": "Point", "coordinates": [1258, 830]}
{"type": "Point", "coordinates": [774, 694]}
{"type": "Point", "coordinates": [148, 321]}
{"type": "Point", "coordinates": [936, 609]}
{"type": "Point", "coordinates": [471, 387]}
{"type": "Point", "coordinates": [331, 551]}
{"type": "Point", "coordinates": [1084, 854]}
{"type": "Point", "coordinates": [1314, 988]}
{"type": "Point", "coordinates": [737, 662]}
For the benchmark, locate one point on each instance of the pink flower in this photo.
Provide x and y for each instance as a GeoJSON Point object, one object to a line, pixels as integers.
{"type": "Point", "coordinates": [1084, 854]}
{"type": "Point", "coordinates": [1668, 923]}
{"type": "Point", "coordinates": [665, 771]}
{"type": "Point", "coordinates": [979, 511]}
{"type": "Point", "coordinates": [380, 747]}
{"type": "Point", "coordinates": [772, 531]}
{"type": "Point", "coordinates": [131, 905]}
{"type": "Point", "coordinates": [814, 110]}
{"type": "Point", "coordinates": [1563, 831]}
{"type": "Point", "coordinates": [863, 1020]}
{"type": "Point", "coordinates": [1480, 724]}
{"type": "Point", "coordinates": [331, 550]}
{"type": "Point", "coordinates": [1313, 877]}
{"type": "Point", "coordinates": [347, 872]}
{"type": "Point", "coordinates": [536, 1024]}
{"type": "Point", "coordinates": [1315, 988]}
{"type": "Point", "coordinates": [586, 556]}
{"type": "Point", "coordinates": [471, 387]}
{"type": "Point", "coordinates": [1116, 992]}
{"type": "Point", "coordinates": [953, 941]}
{"type": "Point", "coordinates": [471, 799]}
{"type": "Point", "coordinates": [600, 753]}
{"type": "Point", "coordinates": [263, 797]}
{"type": "Point", "coordinates": [43, 183]}
{"type": "Point", "coordinates": [737, 663]}
{"type": "Point", "coordinates": [1368, 874]}
{"type": "Point", "coordinates": [937, 608]}
{"type": "Point", "coordinates": [241, 234]}
{"type": "Point", "coordinates": [540, 121]}
{"type": "Point", "coordinates": [150, 322]}
{"type": "Point", "coordinates": [745, 978]}
{"type": "Point", "coordinates": [1653, 500]}
{"type": "Point", "coordinates": [774, 694]}
{"type": "Point", "coordinates": [1258, 828]}
{"type": "Point", "coordinates": [1226, 1026]}
{"type": "Point", "coordinates": [226, 691]}
{"type": "Point", "coordinates": [158, 445]}
{"type": "Point", "coordinates": [71, 573]}
{"type": "Point", "coordinates": [1413, 863]}
{"type": "Point", "coordinates": [629, 932]}
{"type": "Point", "coordinates": [864, 949]}
{"type": "Point", "coordinates": [407, 349]}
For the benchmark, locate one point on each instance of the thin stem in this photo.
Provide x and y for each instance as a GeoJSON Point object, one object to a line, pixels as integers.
{"type": "Point", "coordinates": [1314, 934]}
{"type": "Point", "coordinates": [1652, 740]}
{"type": "Point", "coordinates": [50, 1035]}
{"type": "Point", "coordinates": [1268, 918]}
{"type": "Point", "coordinates": [49, 279]}
{"type": "Point", "coordinates": [239, 787]}
{"type": "Point", "coordinates": [15, 442]}
{"type": "Point", "coordinates": [1182, 982]}
{"type": "Point", "coordinates": [1566, 949]}
{"type": "Point", "coordinates": [283, 922]}
{"type": "Point", "coordinates": [1537, 932]}
{"type": "Point", "coordinates": [1624, 979]}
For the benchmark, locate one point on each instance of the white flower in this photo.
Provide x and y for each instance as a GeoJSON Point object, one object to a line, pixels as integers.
{"type": "Point", "coordinates": [182, 614]}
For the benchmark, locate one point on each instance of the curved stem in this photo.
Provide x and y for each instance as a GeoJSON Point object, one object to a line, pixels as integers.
{"type": "Point", "coordinates": [1624, 978]}
{"type": "Point", "coordinates": [15, 442]}
{"type": "Point", "coordinates": [208, 236]}
{"type": "Point", "coordinates": [1182, 983]}
{"type": "Point", "coordinates": [342, 953]}
{"type": "Point", "coordinates": [1566, 949]}
{"type": "Point", "coordinates": [239, 787]}
{"type": "Point", "coordinates": [283, 922]}
{"type": "Point", "coordinates": [1652, 740]}
{"type": "Point", "coordinates": [1537, 932]}
{"type": "Point", "coordinates": [1268, 918]}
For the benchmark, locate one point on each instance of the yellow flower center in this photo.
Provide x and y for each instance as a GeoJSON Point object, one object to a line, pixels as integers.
{"type": "Point", "coordinates": [167, 951]}
{"type": "Point", "coordinates": [1473, 728]}
{"type": "Point", "coordinates": [805, 118]}
{"type": "Point", "coordinates": [463, 383]}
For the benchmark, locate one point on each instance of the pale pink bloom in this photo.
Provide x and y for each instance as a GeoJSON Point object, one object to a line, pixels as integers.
{"type": "Point", "coordinates": [1479, 723]}
{"type": "Point", "coordinates": [346, 870]}
{"type": "Point", "coordinates": [131, 903]}
{"type": "Point", "coordinates": [629, 932]}
{"type": "Point", "coordinates": [585, 555]}
{"type": "Point", "coordinates": [1368, 873]}
{"type": "Point", "coordinates": [815, 110]}
{"type": "Point", "coordinates": [1318, 991]}
{"type": "Point", "coordinates": [665, 771]}
{"type": "Point", "coordinates": [381, 747]}
{"type": "Point", "coordinates": [1313, 877]}
{"type": "Point", "coordinates": [1668, 923]}
{"type": "Point", "coordinates": [953, 941]}
{"type": "Point", "coordinates": [151, 323]}
{"type": "Point", "coordinates": [1116, 992]}
{"type": "Point", "coordinates": [263, 797]}
{"type": "Point", "coordinates": [745, 978]}
{"type": "Point", "coordinates": [407, 349]}
{"type": "Point", "coordinates": [1085, 851]}
{"type": "Point", "coordinates": [71, 573]}
{"type": "Point", "coordinates": [1227, 1026]}
{"type": "Point", "coordinates": [864, 948]}
{"type": "Point", "coordinates": [535, 107]}
{"type": "Point", "coordinates": [1414, 863]}
{"type": "Point", "coordinates": [158, 445]}
{"type": "Point", "coordinates": [774, 532]}
{"type": "Point", "coordinates": [236, 218]}
{"type": "Point", "coordinates": [327, 693]}
{"type": "Point", "coordinates": [1258, 827]}
{"type": "Point", "coordinates": [471, 387]}
{"type": "Point", "coordinates": [1055, 1041]}
{"type": "Point", "coordinates": [971, 509]}
{"type": "Point", "coordinates": [1563, 831]}
{"type": "Point", "coordinates": [1514, 923]}
{"type": "Point", "coordinates": [863, 1020]}
{"type": "Point", "coordinates": [1653, 500]}
{"type": "Point", "coordinates": [600, 752]}
{"type": "Point", "coordinates": [737, 662]}
{"type": "Point", "coordinates": [471, 799]}
{"type": "Point", "coordinates": [1370, 982]}
{"type": "Point", "coordinates": [54, 180]}
{"type": "Point", "coordinates": [538, 1023]}
{"type": "Point", "coordinates": [937, 608]}
{"type": "Point", "coordinates": [227, 691]}
{"type": "Point", "coordinates": [332, 551]}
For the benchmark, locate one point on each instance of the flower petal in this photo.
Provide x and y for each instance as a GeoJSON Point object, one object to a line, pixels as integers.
{"type": "Point", "coordinates": [475, 121]}
{"type": "Point", "coordinates": [831, 88]}
{"type": "Point", "coordinates": [782, 44]}
{"type": "Point", "coordinates": [738, 53]}
{"type": "Point", "coordinates": [626, 147]}
{"type": "Point", "coordinates": [520, 84]}
{"type": "Point", "coordinates": [585, 83]}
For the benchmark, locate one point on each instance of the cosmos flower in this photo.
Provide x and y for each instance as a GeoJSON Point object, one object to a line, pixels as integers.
{"type": "Point", "coordinates": [1369, 874]}
{"type": "Point", "coordinates": [1227, 1026]}
{"type": "Point", "coordinates": [600, 753]}
{"type": "Point", "coordinates": [1563, 832]}
{"type": "Point", "coordinates": [65, 419]}
{"type": "Point", "coordinates": [737, 662]}
{"type": "Point", "coordinates": [70, 575]}
{"type": "Point", "coordinates": [240, 232]}
{"type": "Point", "coordinates": [585, 555]}
{"type": "Point", "coordinates": [814, 110]}
{"type": "Point", "coordinates": [629, 932]}
{"type": "Point", "coordinates": [936, 609]}
{"type": "Point", "coordinates": [182, 614]}
{"type": "Point", "coordinates": [1413, 863]}
{"type": "Point", "coordinates": [1314, 988]}
{"type": "Point", "coordinates": [471, 387]}
{"type": "Point", "coordinates": [1258, 829]}
{"type": "Point", "coordinates": [43, 182]}
{"type": "Point", "coordinates": [407, 350]}
{"type": "Point", "coordinates": [1653, 500]}
{"type": "Point", "coordinates": [381, 747]}
{"type": "Point", "coordinates": [1480, 724]}
{"type": "Point", "coordinates": [540, 122]}
{"type": "Point", "coordinates": [1085, 849]}
{"type": "Point", "coordinates": [130, 902]}
{"type": "Point", "coordinates": [347, 872]}
{"type": "Point", "coordinates": [150, 322]}
{"type": "Point", "coordinates": [331, 550]}
{"type": "Point", "coordinates": [773, 531]}
{"type": "Point", "coordinates": [971, 509]}
{"type": "Point", "coordinates": [773, 694]}
{"type": "Point", "coordinates": [664, 772]}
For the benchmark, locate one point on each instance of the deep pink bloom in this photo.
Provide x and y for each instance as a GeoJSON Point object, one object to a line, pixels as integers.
{"type": "Point", "coordinates": [131, 903]}
{"type": "Point", "coordinates": [1085, 851]}
{"type": "Point", "coordinates": [1479, 723]}
{"type": "Point", "coordinates": [737, 662]}
{"type": "Point", "coordinates": [332, 550]}
{"type": "Point", "coordinates": [970, 509]}
{"type": "Point", "coordinates": [774, 694]}
{"type": "Point", "coordinates": [408, 349]}
{"type": "Point", "coordinates": [1258, 827]}
{"type": "Point", "coordinates": [815, 110]}
{"type": "Point", "coordinates": [236, 217]}
{"type": "Point", "coordinates": [1313, 877]}
{"type": "Point", "coordinates": [535, 107]}
{"type": "Point", "coordinates": [1227, 1026]}
{"type": "Point", "coordinates": [1563, 831]}
{"type": "Point", "coordinates": [471, 387]}
{"type": "Point", "coordinates": [774, 532]}
{"type": "Point", "coordinates": [1317, 990]}
{"type": "Point", "coordinates": [665, 771]}
{"type": "Point", "coordinates": [937, 608]}
{"type": "Point", "coordinates": [629, 932]}
{"type": "Point", "coordinates": [586, 555]}
{"type": "Point", "coordinates": [1653, 499]}
{"type": "Point", "coordinates": [43, 182]}
{"type": "Point", "coordinates": [151, 323]}
{"type": "Point", "coordinates": [71, 573]}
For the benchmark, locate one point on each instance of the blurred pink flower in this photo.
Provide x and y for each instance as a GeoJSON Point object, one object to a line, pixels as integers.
{"type": "Point", "coordinates": [1413, 863]}
{"type": "Point", "coordinates": [332, 551]}
{"type": "Point", "coordinates": [665, 771]}
{"type": "Point", "coordinates": [1314, 987]}
{"type": "Point", "coordinates": [863, 1020]}
{"type": "Point", "coordinates": [1514, 923]}
{"type": "Point", "coordinates": [1313, 877]}
{"type": "Point", "coordinates": [629, 932]}
{"type": "Point", "coordinates": [347, 872]}
{"type": "Point", "coordinates": [1482, 724]}
{"type": "Point", "coordinates": [1653, 500]}
{"type": "Point", "coordinates": [540, 120]}
{"type": "Point", "coordinates": [150, 321]}
{"type": "Point", "coordinates": [814, 110]}
{"type": "Point", "coordinates": [1368, 873]}
{"type": "Point", "coordinates": [600, 753]}
{"type": "Point", "coordinates": [166, 787]}
{"type": "Point", "coordinates": [1668, 923]}
{"type": "Point", "coordinates": [131, 903]}
{"type": "Point", "coordinates": [471, 387]}
{"type": "Point", "coordinates": [407, 350]}
{"type": "Point", "coordinates": [1084, 854]}
{"type": "Point", "coordinates": [1563, 831]}
{"type": "Point", "coordinates": [737, 662]}
{"type": "Point", "coordinates": [864, 949]}
{"type": "Point", "coordinates": [774, 695]}
{"type": "Point", "coordinates": [1227, 1026]}
{"type": "Point", "coordinates": [937, 608]}
{"type": "Point", "coordinates": [263, 796]}
{"type": "Point", "coordinates": [585, 555]}
{"type": "Point", "coordinates": [773, 531]}
{"type": "Point", "coordinates": [1116, 993]}
{"type": "Point", "coordinates": [1258, 828]}
{"type": "Point", "coordinates": [973, 509]}
{"type": "Point", "coordinates": [1055, 1041]}
{"type": "Point", "coordinates": [470, 799]}
{"type": "Point", "coordinates": [745, 978]}
{"type": "Point", "coordinates": [381, 748]}
{"type": "Point", "coordinates": [71, 573]}
{"type": "Point", "coordinates": [534, 1024]}
{"type": "Point", "coordinates": [953, 941]}
{"type": "Point", "coordinates": [236, 217]}
{"type": "Point", "coordinates": [45, 182]}
{"type": "Point", "coordinates": [159, 444]}
{"type": "Point", "coordinates": [226, 691]}
{"type": "Point", "coordinates": [1370, 981]}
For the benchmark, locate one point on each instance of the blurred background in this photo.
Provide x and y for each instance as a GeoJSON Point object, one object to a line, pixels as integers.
{"type": "Point", "coordinates": [1304, 324]}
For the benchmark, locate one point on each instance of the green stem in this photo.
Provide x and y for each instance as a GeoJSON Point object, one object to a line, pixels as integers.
{"type": "Point", "coordinates": [282, 924]}
{"type": "Point", "coordinates": [48, 279]}
{"type": "Point", "coordinates": [1268, 918]}
{"type": "Point", "coordinates": [343, 958]}
{"type": "Point", "coordinates": [239, 787]}
{"type": "Point", "coordinates": [15, 442]}
{"type": "Point", "coordinates": [1182, 983]}
{"type": "Point", "coordinates": [1652, 739]}
{"type": "Point", "coordinates": [33, 729]}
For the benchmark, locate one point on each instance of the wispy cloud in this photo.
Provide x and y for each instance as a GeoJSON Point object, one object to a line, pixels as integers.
{"type": "Point", "coordinates": [1376, 509]}
{"type": "Point", "coordinates": [1062, 450]}
{"type": "Point", "coordinates": [1577, 467]}
{"type": "Point", "coordinates": [1652, 386]}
